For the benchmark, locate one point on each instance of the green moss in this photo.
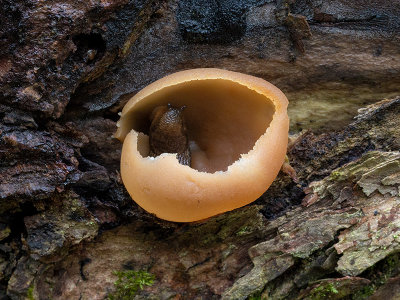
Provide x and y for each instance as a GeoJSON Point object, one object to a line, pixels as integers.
{"type": "Point", "coordinates": [256, 296]}
{"type": "Point", "coordinates": [129, 282]}
{"type": "Point", "coordinates": [323, 291]}
{"type": "Point", "coordinates": [336, 175]}
{"type": "Point", "coordinates": [364, 293]}
{"type": "Point", "coordinates": [392, 262]}
{"type": "Point", "coordinates": [379, 275]}
{"type": "Point", "coordinates": [243, 231]}
{"type": "Point", "coordinates": [29, 293]}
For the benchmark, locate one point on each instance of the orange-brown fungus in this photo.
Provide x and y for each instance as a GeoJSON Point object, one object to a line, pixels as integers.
{"type": "Point", "coordinates": [237, 127]}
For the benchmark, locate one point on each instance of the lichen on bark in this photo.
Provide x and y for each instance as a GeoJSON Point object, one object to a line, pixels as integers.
{"type": "Point", "coordinates": [66, 222]}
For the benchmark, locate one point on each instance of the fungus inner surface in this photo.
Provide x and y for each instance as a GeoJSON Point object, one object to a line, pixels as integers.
{"type": "Point", "coordinates": [224, 119]}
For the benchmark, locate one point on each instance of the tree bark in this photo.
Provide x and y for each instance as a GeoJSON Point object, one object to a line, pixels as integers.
{"type": "Point", "coordinates": [66, 221]}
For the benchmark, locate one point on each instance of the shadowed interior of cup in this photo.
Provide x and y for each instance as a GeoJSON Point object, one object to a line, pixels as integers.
{"type": "Point", "coordinates": [224, 119]}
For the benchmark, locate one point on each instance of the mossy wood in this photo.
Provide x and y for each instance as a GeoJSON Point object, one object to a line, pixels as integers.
{"type": "Point", "coordinates": [66, 222]}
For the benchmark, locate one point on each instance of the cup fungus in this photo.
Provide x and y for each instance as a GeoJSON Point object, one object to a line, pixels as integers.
{"type": "Point", "coordinates": [237, 131]}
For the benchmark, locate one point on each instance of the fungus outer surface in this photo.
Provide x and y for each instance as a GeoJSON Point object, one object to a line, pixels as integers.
{"type": "Point", "coordinates": [237, 126]}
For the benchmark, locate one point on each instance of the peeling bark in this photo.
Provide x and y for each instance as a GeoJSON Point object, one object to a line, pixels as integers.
{"type": "Point", "coordinates": [66, 221]}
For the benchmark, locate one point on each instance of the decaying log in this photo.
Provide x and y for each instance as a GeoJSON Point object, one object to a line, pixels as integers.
{"type": "Point", "coordinates": [66, 221]}
{"type": "Point", "coordinates": [347, 222]}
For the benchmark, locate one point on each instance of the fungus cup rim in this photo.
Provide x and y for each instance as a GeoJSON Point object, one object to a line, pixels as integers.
{"type": "Point", "coordinates": [186, 194]}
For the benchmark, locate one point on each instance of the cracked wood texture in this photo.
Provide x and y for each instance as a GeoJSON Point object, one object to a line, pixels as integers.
{"type": "Point", "coordinates": [66, 222]}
